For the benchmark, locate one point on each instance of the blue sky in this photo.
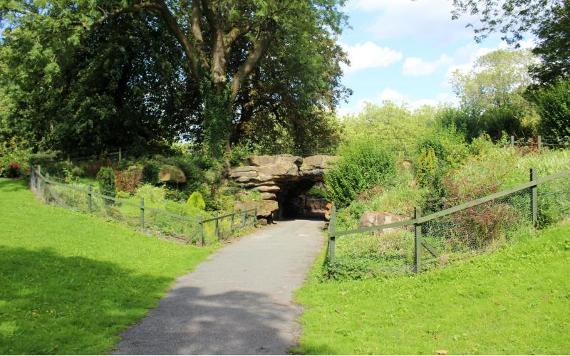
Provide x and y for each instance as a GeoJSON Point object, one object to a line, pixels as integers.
{"type": "Point", "coordinates": [405, 51]}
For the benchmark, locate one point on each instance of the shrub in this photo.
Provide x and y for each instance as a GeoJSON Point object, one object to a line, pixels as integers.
{"type": "Point", "coordinates": [362, 164]}
{"type": "Point", "coordinates": [153, 196]}
{"type": "Point", "coordinates": [106, 180]}
{"type": "Point", "coordinates": [129, 180]}
{"type": "Point", "coordinates": [196, 201]}
{"type": "Point", "coordinates": [150, 173]}
{"type": "Point", "coordinates": [427, 170]}
{"type": "Point", "coordinates": [553, 106]}
{"type": "Point", "coordinates": [14, 170]}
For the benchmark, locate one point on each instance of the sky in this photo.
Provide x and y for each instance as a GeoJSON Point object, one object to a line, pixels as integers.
{"type": "Point", "coordinates": [405, 51]}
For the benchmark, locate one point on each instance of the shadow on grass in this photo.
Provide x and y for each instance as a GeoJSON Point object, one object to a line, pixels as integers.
{"type": "Point", "coordinates": [56, 304]}
{"type": "Point", "coordinates": [12, 185]}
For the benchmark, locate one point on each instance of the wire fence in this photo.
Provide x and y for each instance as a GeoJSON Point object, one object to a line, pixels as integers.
{"type": "Point", "coordinates": [540, 142]}
{"type": "Point", "coordinates": [441, 236]}
{"type": "Point", "coordinates": [202, 230]}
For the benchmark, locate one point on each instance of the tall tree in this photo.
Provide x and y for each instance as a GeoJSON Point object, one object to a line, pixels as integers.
{"type": "Point", "coordinates": [212, 31]}
{"type": "Point", "coordinates": [547, 20]}
{"type": "Point", "coordinates": [491, 95]}
{"type": "Point", "coordinates": [219, 69]}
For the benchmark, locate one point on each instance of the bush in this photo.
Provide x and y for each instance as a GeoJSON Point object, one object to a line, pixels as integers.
{"type": "Point", "coordinates": [14, 170]}
{"type": "Point", "coordinates": [362, 165]}
{"type": "Point", "coordinates": [153, 196]}
{"type": "Point", "coordinates": [196, 201]}
{"type": "Point", "coordinates": [150, 173]}
{"type": "Point", "coordinates": [13, 151]}
{"type": "Point", "coordinates": [553, 106]}
{"type": "Point", "coordinates": [129, 180]}
{"type": "Point", "coordinates": [106, 180]}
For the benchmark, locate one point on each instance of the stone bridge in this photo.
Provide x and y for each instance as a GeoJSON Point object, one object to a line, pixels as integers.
{"type": "Point", "coordinates": [284, 182]}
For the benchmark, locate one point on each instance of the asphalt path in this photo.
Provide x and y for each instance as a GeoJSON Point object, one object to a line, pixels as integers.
{"type": "Point", "coordinates": [239, 301]}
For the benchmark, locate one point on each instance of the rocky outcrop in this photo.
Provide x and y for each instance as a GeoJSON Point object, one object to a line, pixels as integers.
{"type": "Point", "coordinates": [376, 218]}
{"type": "Point", "coordinates": [273, 176]}
{"type": "Point", "coordinates": [171, 174]}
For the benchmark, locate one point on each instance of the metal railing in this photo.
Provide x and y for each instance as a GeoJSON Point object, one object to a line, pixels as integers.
{"type": "Point", "coordinates": [418, 222]}
{"type": "Point", "coordinates": [198, 230]}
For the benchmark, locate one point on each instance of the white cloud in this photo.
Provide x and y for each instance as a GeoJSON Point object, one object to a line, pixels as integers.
{"type": "Point", "coordinates": [369, 55]}
{"type": "Point", "coordinates": [415, 66]}
{"type": "Point", "coordinates": [419, 19]}
{"type": "Point", "coordinates": [398, 98]}
{"type": "Point", "coordinates": [392, 95]}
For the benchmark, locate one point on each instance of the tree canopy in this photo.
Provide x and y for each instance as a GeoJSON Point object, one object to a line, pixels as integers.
{"type": "Point", "coordinates": [94, 74]}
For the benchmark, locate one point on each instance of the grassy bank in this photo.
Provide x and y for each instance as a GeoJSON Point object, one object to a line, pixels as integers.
{"type": "Point", "coordinates": [70, 283]}
{"type": "Point", "coordinates": [514, 301]}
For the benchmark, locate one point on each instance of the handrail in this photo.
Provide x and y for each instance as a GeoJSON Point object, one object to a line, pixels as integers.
{"type": "Point", "coordinates": [457, 208]}
{"type": "Point", "coordinates": [122, 201]}
{"type": "Point", "coordinates": [228, 215]}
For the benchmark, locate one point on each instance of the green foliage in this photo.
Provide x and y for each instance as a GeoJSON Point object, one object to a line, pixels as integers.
{"type": "Point", "coordinates": [76, 270]}
{"type": "Point", "coordinates": [362, 164]}
{"type": "Point", "coordinates": [395, 127]}
{"type": "Point", "coordinates": [153, 196]}
{"type": "Point", "coordinates": [553, 46]}
{"type": "Point", "coordinates": [150, 173]}
{"type": "Point", "coordinates": [196, 201]}
{"type": "Point", "coordinates": [491, 96]}
{"type": "Point", "coordinates": [13, 151]}
{"type": "Point", "coordinates": [426, 167]}
{"type": "Point", "coordinates": [106, 181]}
{"type": "Point", "coordinates": [448, 145]}
{"type": "Point", "coordinates": [126, 80]}
{"type": "Point", "coordinates": [317, 191]}
{"type": "Point", "coordinates": [553, 105]}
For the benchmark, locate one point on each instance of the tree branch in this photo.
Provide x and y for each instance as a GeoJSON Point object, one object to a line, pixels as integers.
{"type": "Point", "coordinates": [251, 62]}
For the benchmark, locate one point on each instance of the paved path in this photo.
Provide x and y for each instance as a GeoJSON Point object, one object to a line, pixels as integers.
{"type": "Point", "coordinates": [239, 301]}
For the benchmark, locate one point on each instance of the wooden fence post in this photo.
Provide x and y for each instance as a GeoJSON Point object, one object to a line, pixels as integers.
{"type": "Point", "coordinates": [417, 240]}
{"type": "Point", "coordinates": [534, 199]}
{"type": "Point", "coordinates": [232, 221]}
{"type": "Point", "coordinates": [539, 142]}
{"type": "Point", "coordinates": [512, 141]}
{"type": "Point", "coordinates": [90, 198]}
{"type": "Point", "coordinates": [142, 213]}
{"type": "Point", "coordinates": [332, 237]}
{"type": "Point", "coordinates": [202, 238]}
{"type": "Point", "coordinates": [120, 155]}
{"type": "Point", "coordinates": [216, 229]}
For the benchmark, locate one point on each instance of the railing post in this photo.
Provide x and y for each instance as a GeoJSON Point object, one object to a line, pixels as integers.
{"type": "Point", "coordinates": [417, 240]}
{"type": "Point", "coordinates": [90, 198]}
{"type": "Point", "coordinates": [232, 221]}
{"type": "Point", "coordinates": [512, 141]}
{"type": "Point", "coordinates": [202, 238]}
{"type": "Point", "coordinates": [216, 229]}
{"type": "Point", "coordinates": [142, 213]}
{"type": "Point", "coordinates": [539, 143]}
{"type": "Point", "coordinates": [332, 236]}
{"type": "Point", "coordinates": [120, 155]}
{"type": "Point", "coordinates": [255, 216]}
{"type": "Point", "coordinates": [534, 199]}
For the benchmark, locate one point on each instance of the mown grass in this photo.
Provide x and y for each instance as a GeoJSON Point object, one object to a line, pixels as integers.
{"type": "Point", "coordinates": [70, 282]}
{"type": "Point", "coordinates": [514, 301]}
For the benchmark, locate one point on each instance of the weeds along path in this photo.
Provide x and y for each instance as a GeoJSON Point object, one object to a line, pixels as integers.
{"type": "Point", "coordinates": [240, 301]}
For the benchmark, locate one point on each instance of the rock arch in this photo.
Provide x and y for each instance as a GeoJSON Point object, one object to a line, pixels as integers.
{"type": "Point", "coordinates": [283, 181]}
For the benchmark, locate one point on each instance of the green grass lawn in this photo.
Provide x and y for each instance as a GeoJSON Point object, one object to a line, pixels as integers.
{"type": "Point", "coordinates": [514, 301]}
{"type": "Point", "coordinates": [70, 282]}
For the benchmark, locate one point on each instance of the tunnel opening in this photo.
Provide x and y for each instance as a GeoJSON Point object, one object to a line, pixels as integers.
{"type": "Point", "coordinates": [296, 201]}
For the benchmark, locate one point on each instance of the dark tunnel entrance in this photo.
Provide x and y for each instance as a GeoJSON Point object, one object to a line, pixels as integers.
{"type": "Point", "coordinates": [297, 201]}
